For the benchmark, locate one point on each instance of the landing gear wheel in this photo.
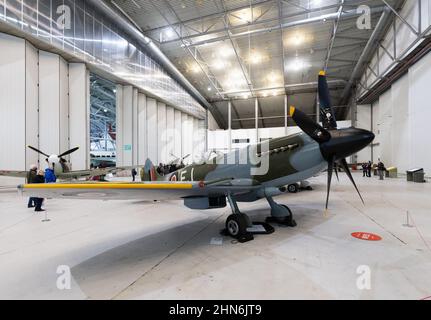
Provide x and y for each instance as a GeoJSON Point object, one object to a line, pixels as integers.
{"type": "Point", "coordinates": [236, 225]}
{"type": "Point", "coordinates": [292, 188]}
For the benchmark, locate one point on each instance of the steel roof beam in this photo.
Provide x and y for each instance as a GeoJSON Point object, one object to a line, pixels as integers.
{"type": "Point", "coordinates": [319, 19]}
{"type": "Point", "coordinates": [381, 24]}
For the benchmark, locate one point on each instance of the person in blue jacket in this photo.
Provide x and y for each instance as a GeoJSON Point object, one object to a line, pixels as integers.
{"type": "Point", "coordinates": [50, 176]}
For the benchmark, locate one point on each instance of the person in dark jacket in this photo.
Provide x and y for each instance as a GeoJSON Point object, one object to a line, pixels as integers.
{"type": "Point", "coordinates": [50, 176]}
{"type": "Point", "coordinates": [31, 176]}
{"type": "Point", "coordinates": [40, 178]}
{"type": "Point", "coordinates": [134, 173]}
{"type": "Point", "coordinates": [364, 169]}
{"type": "Point", "coordinates": [369, 167]}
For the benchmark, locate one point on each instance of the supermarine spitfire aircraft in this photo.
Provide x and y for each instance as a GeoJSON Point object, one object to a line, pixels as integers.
{"type": "Point", "coordinates": [60, 167]}
{"type": "Point", "coordinates": [207, 185]}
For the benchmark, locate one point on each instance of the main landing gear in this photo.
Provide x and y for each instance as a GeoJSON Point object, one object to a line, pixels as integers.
{"type": "Point", "coordinates": [240, 227]}
{"type": "Point", "coordinates": [238, 223]}
{"type": "Point", "coordinates": [280, 213]}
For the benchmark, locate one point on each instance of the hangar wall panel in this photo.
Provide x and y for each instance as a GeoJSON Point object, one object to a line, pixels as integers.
{"type": "Point", "coordinates": [184, 136]}
{"type": "Point", "coordinates": [363, 121]}
{"type": "Point", "coordinates": [12, 105]}
{"type": "Point", "coordinates": [31, 103]}
{"type": "Point", "coordinates": [127, 125]}
{"type": "Point", "coordinates": [384, 126]}
{"type": "Point", "coordinates": [401, 120]}
{"type": "Point", "coordinates": [401, 124]}
{"type": "Point", "coordinates": [212, 124]}
{"type": "Point", "coordinates": [142, 129]}
{"type": "Point", "coordinates": [79, 115]}
{"type": "Point", "coordinates": [170, 133]}
{"type": "Point", "coordinates": [161, 131]}
{"type": "Point", "coordinates": [420, 114]}
{"type": "Point", "coordinates": [135, 128]}
{"type": "Point", "coordinates": [64, 105]}
{"type": "Point", "coordinates": [375, 122]}
{"type": "Point", "coordinates": [196, 138]}
{"type": "Point", "coordinates": [187, 136]}
{"type": "Point", "coordinates": [53, 107]}
{"type": "Point", "coordinates": [178, 134]}
{"type": "Point", "coordinates": [152, 137]}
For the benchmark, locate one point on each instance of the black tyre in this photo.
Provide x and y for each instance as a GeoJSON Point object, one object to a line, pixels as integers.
{"type": "Point", "coordinates": [292, 188]}
{"type": "Point", "coordinates": [236, 225]}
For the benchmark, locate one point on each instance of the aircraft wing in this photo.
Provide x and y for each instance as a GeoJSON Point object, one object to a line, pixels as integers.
{"type": "Point", "coordinates": [160, 190]}
{"type": "Point", "coordinates": [12, 173]}
{"type": "Point", "coordinates": [67, 175]}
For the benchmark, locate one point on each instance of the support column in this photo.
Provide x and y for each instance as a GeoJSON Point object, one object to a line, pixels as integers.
{"type": "Point", "coordinates": [79, 115]}
{"type": "Point", "coordinates": [119, 123]}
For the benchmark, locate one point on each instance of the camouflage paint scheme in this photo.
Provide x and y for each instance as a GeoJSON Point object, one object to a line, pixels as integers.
{"type": "Point", "coordinates": [291, 159]}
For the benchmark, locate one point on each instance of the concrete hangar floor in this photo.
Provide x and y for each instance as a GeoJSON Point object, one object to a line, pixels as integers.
{"type": "Point", "coordinates": [137, 250]}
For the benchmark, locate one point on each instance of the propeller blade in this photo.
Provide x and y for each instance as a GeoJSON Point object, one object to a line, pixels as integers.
{"type": "Point", "coordinates": [336, 171]}
{"type": "Point", "coordinates": [328, 186]}
{"type": "Point", "coordinates": [38, 151]}
{"type": "Point", "coordinates": [326, 111]}
{"type": "Point", "coordinates": [344, 165]}
{"type": "Point", "coordinates": [311, 128]}
{"type": "Point", "coordinates": [68, 152]}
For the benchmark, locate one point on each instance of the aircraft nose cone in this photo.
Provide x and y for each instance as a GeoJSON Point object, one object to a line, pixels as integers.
{"type": "Point", "coordinates": [345, 142]}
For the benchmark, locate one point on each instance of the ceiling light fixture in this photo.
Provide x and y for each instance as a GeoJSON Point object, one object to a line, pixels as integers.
{"type": "Point", "coordinates": [169, 32]}
{"type": "Point", "coordinates": [255, 58]}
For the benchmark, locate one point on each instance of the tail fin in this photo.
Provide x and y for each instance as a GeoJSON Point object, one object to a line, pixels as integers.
{"type": "Point", "coordinates": [326, 110]}
{"type": "Point", "coordinates": [149, 172]}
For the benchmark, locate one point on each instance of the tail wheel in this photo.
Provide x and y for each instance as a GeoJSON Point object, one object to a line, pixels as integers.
{"type": "Point", "coordinates": [236, 225]}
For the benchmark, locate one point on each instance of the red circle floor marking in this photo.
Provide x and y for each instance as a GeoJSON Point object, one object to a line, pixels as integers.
{"type": "Point", "coordinates": [366, 236]}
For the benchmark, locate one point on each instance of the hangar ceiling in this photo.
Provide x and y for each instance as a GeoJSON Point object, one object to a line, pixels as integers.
{"type": "Point", "coordinates": [240, 50]}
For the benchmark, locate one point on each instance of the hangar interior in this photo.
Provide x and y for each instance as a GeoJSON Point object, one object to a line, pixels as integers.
{"type": "Point", "coordinates": [178, 80]}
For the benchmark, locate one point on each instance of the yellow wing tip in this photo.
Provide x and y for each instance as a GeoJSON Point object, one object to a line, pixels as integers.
{"type": "Point", "coordinates": [322, 73]}
{"type": "Point", "coordinates": [292, 110]}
